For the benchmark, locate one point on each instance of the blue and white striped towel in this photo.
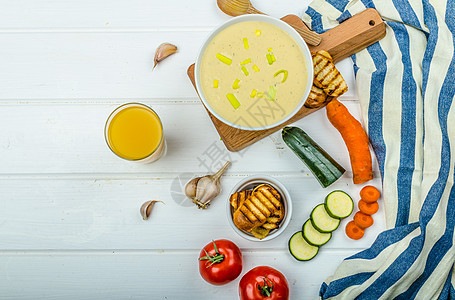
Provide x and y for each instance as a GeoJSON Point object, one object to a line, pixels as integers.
{"type": "Point", "coordinates": [406, 86]}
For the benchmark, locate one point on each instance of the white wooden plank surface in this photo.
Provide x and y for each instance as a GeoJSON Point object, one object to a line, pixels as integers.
{"type": "Point", "coordinates": [69, 209]}
{"type": "Point", "coordinates": [70, 139]}
{"type": "Point", "coordinates": [74, 65]}
{"type": "Point", "coordinates": [140, 275]}
{"type": "Point", "coordinates": [150, 15]}
{"type": "Point", "coordinates": [104, 214]}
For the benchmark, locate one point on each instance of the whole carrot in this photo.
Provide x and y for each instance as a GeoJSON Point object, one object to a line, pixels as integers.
{"type": "Point", "coordinates": [355, 138]}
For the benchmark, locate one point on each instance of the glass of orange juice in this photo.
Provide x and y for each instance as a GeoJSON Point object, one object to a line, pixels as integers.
{"type": "Point", "coordinates": [134, 132]}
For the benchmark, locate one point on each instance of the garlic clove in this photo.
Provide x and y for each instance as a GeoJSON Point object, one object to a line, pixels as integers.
{"type": "Point", "coordinates": [190, 188]}
{"type": "Point", "coordinates": [146, 208]}
{"type": "Point", "coordinates": [164, 50]}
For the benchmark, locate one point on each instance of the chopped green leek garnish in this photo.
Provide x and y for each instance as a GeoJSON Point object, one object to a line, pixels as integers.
{"type": "Point", "coordinates": [273, 58]}
{"type": "Point", "coordinates": [236, 84]}
{"type": "Point", "coordinates": [246, 61]}
{"type": "Point", "coordinates": [260, 95]}
{"type": "Point", "coordinates": [256, 68]}
{"type": "Point", "coordinates": [234, 102]}
{"type": "Point", "coordinates": [285, 72]}
{"type": "Point", "coordinates": [224, 59]}
{"type": "Point", "coordinates": [271, 94]}
{"type": "Point", "coordinates": [245, 43]}
{"type": "Point", "coordinates": [245, 71]}
{"type": "Point", "coordinates": [215, 83]}
{"type": "Point", "coordinates": [269, 58]}
{"type": "Point", "coordinates": [257, 32]}
{"type": "Point", "coordinates": [270, 49]}
{"type": "Point", "coordinates": [253, 93]}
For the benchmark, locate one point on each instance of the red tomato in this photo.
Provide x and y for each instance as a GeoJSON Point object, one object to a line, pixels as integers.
{"type": "Point", "coordinates": [263, 283]}
{"type": "Point", "coordinates": [220, 262]}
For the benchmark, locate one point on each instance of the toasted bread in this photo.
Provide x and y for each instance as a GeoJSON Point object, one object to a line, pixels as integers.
{"type": "Point", "coordinates": [269, 226]}
{"type": "Point", "coordinates": [316, 98]}
{"type": "Point", "coordinates": [273, 222]}
{"type": "Point", "coordinates": [326, 75]}
{"type": "Point", "coordinates": [238, 198]}
{"type": "Point", "coordinates": [263, 203]}
{"type": "Point", "coordinates": [259, 232]}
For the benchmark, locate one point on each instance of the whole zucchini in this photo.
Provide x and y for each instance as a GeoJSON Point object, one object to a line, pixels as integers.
{"type": "Point", "coordinates": [324, 168]}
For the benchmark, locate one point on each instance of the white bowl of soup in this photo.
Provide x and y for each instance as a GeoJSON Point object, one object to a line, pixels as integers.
{"type": "Point", "coordinates": [254, 72]}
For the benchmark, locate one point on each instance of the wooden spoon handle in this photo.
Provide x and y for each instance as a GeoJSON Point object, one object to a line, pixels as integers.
{"type": "Point", "coordinates": [252, 10]}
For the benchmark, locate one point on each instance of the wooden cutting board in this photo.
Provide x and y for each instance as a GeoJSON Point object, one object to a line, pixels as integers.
{"type": "Point", "coordinates": [349, 37]}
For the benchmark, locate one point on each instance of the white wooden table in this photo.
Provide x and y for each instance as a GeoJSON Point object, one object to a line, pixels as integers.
{"type": "Point", "coordinates": [70, 226]}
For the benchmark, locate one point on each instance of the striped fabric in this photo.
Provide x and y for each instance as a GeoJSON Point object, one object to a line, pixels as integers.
{"type": "Point", "coordinates": [406, 86]}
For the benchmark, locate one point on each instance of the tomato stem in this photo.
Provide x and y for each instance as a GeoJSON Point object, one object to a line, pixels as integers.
{"type": "Point", "coordinates": [213, 259]}
{"type": "Point", "coordinates": [265, 289]}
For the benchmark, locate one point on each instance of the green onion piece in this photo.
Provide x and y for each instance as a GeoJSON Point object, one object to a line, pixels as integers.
{"type": "Point", "coordinates": [269, 58]}
{"type": "Point", "coordinates": [273, 58]}
{"type": "Point", "coordinates": [236, 84]}
{"type": "Point", "coordinates": [246, 61]}
{"type": "Point", "coordinates": [245, 43]}
{"type": "Point", "coordinates": [234, 102]}
{"type": "Point", "coordinates": [285, 72]}
{"type": "Point", "coordinates": [245, 71]}
{"type": "Point", "coordinates": [215, 83]}
{"type": "Point", "coordinates": [253, 93]}
{"type": "Point", "coordinates": [257, 32]}
{"type": "Point", "coordinates": [256, 68]}
{"type": "Point", "coordinates": [270, 49]}
{"type": "Point", "coordinates": [224, 59]}
{"type": "Point", "coordinates": [260, 95]}
{"type": "Point", "coordinates": [271, 94]}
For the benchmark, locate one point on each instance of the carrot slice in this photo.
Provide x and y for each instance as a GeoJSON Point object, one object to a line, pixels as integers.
{"type": "Point", "coordinates": [368, 208]}
{"type": "Point", "coordinates": [363, 220]}
{"type": "Point", "coordinates": [353, 231]}
{"type": "Point", "coordinates": [370, 194]}
{"type": "Point", "coordinates": [355, 138]}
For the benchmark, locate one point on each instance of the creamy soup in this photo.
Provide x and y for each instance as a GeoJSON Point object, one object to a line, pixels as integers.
{"type": "Point", "coordinates": [253, 74]}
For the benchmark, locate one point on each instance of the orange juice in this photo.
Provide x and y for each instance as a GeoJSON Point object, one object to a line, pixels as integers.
{"type": "Point", "coordinates": [134, 132]}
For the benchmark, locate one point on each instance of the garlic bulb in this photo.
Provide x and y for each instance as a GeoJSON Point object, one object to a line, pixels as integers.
{"type": "Point", "coordinates": [190, 188]}
{"type": "Point", "coordinates": [204, 189]}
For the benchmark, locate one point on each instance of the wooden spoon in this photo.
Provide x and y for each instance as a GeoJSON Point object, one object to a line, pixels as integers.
{"type": "Point", "coordinates": [241, 7]}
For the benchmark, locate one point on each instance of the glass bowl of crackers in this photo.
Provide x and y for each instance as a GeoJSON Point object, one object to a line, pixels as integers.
{"type": "Point", "coordinates": [259, 208]}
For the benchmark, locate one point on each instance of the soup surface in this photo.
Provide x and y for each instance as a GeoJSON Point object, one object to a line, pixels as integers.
{"type": "Point", "coordinates": [253, 74]}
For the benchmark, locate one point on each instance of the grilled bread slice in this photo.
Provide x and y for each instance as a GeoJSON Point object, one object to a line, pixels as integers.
{"type": "Point", "coordinates": [238, 198]}
{"type": "Point", "coordinates": [273, 221]}
{"type": "Point", "coordinates": [263, 202]}
{"type": "Point", "coordinates": [260, 232]}
{"type": "Point", "coordinates": [326, 75]}
{"type": "Point", "coordinates": [316, 98]}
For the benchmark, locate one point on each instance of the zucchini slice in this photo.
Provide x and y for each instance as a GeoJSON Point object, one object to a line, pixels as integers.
{"type": "Point", "coordinates": [338, 204]}
{"type": "Point", "coordinates": [313, 236]}
{"type": "Point", "coordinates": [322, 221]}
{"type": "Point", "coordinates": [300, 249]}
{"type": "Point", "coordinates": [323, 166]}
